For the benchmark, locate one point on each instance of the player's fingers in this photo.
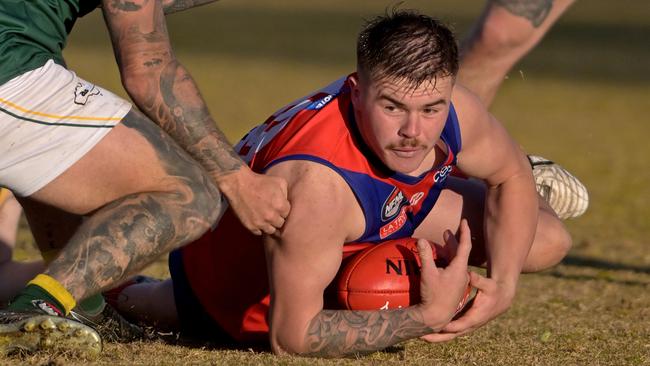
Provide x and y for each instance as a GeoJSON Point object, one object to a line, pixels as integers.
{"type": "Point", "coordinates": [277, 222]}
{"type": "Point", "coordinates": [439, 337]}
{"type": "Point", "coordinates": [268, 229]}
{"type": "Point", "coordinates": [256, 231]}
{"type": "Point", "coordinates": [464, 247]}
{"type": "Point", "coordinates": [478, 281]}
{"type": "Point", "coordinates": [284, 209]}
{"type": "Point", "coordinates": [426, 256]}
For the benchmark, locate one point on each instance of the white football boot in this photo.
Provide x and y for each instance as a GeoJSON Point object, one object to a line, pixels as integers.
{"type": "Point", "coordinates": [563, 192]}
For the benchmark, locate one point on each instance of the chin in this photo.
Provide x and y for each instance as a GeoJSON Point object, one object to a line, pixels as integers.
{"type": "Point", "coordinates": [404, 167]}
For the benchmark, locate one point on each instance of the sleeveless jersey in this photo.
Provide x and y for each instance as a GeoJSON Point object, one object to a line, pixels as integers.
{"type": "Point", "coordinates": [226, 268]}
{"type": "Point", "coordinates": [34, 31]}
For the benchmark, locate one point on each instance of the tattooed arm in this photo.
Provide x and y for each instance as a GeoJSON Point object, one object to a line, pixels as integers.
{"type": "Point", "coordinates": [164, 90]}
{"type": "Point", "coordinates": [504, 33]}
{"type": "Point", "coordinates": [173, 6]}
{"type": "Point", "coordinates": [305, 256]}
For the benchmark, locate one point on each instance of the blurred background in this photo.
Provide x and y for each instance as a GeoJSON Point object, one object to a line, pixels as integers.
{"type": "Point", "coordinates": [581, 98]}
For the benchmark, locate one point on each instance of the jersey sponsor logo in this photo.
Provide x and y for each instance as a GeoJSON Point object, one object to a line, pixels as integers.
{"type": "Point", "coordinates": [392, 204]}
{"type": "Point", "coordinates": [321, 102]}
{"type": "Point", "coordinates": [416, 198]}
{"type": "Point", "coordinates": [393, 226]}
{"type": "Point", "coordinates": [442, 173]}
{"type": "Point", "coordinates": [83, 92]}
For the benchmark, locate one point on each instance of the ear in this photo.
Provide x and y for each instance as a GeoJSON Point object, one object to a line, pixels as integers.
{"type": "Point", "coordinates": [355, 89]}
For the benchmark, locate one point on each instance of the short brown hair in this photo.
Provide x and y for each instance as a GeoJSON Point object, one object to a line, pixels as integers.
{"type": "Point", "coordinates": [403, 44]}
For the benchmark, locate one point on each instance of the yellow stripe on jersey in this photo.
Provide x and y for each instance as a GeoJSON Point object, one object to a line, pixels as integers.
{"type": "Point", "coordinates": [41, 114]}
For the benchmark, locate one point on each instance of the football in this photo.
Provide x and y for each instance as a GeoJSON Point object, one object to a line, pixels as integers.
{"type": "Point", "coordinates": [385, 276]}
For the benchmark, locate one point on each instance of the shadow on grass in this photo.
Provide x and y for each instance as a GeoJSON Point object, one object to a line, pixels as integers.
{"type": "Point", "coordinates": [604, 271]}
{"type": "Point", "coordinates": [578, 261]}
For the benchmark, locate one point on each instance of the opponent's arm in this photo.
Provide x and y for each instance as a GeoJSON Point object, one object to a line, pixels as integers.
{"type": "Point", "coordinates": [304, 258]}
{"type": "Point", "coordinates": [173, 6]}
{"type": "Point", "coordinates": [164, 90]}
{"type": "Point", "coordinates": [511, 208]}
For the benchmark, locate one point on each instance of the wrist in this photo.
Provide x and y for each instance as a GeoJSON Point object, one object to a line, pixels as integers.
{"type": "Point", "coordinates": [507, 284]}
{"type": "Point", "coordinates": [232, 180]}
{"type": "Point", "coordinates": [435, 318]}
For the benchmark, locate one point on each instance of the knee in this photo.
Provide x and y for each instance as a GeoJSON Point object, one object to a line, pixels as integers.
{"type": "Point", "coordinates": [500, 34]}
{"type": "Point", "coordinates": [552, 244]}
{"type": "Point", "coordinates": [559, 242]}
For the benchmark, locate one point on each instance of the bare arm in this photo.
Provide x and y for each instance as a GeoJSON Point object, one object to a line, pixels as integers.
{"type": "Point", "coordinates": [164, 90]}
{"type": "Point", "coordinates": [510, 213]}
{"type": "Point", "coordinates": [490, 153]}
{"type": "Point", "coordinates": [173, 6]}
{"type": "Point", "coordinates": [305, 257]}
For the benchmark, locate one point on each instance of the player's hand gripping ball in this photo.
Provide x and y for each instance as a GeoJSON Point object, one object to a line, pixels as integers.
{"type": "Point", "coordinates": [386, 276]}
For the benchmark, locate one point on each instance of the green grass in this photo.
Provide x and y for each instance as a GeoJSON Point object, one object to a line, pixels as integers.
{"type": "Point", "coordinates": [580, 98]}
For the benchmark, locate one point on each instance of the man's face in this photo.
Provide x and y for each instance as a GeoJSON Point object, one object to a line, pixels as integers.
{"type": "Point", "coordinates": [399, 123]}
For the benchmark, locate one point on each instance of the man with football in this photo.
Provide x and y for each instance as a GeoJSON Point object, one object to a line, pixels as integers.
{"type": "Point", "coordinates": [368, 158]}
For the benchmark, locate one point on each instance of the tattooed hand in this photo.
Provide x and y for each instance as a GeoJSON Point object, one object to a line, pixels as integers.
{"type": "Point", "coordinates": [259, 201]}
{"type": "Point", "coordinates": [335, 333]}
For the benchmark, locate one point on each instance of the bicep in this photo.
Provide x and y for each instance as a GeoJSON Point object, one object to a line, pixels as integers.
{"type": "Point", "coordinates": [304, 258]}
{"type": "Point", "coordinates": [488, 152]}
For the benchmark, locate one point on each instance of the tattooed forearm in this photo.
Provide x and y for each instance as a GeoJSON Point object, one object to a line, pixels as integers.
{"type": "Point", "coordinates": [127, 5]}
{"type": "Point", "coordinates": [180, 110]}
{"type": "Point", "coordinates": [163, 89]}
{"type": "Point", "coordinates": [173, 6]}
{"type": "Point", "coordinates": [124, 236]}
{"type": "Point", "coordinates": [535, 11]}
{"type": "Point", "coordinates": [336, 333]}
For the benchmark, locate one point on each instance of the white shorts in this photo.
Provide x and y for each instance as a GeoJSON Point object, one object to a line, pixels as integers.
{"type": "Point", "coordinates": [49, 119]}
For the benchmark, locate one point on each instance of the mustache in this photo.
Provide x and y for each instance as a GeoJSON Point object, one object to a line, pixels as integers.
{"type": "Point", "coordinates": [413, 142]}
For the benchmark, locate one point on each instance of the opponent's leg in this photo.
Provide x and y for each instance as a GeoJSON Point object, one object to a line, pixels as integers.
{"type": "Point", "coordinates": [505, 32]}
{"type": "Point", "coordinates": [147, 197]}
{"type": "Point", "coordinates": [14, 275]}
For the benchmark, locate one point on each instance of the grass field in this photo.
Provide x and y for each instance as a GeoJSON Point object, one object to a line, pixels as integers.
{"type": "Point", "coordinates": [581, 98]}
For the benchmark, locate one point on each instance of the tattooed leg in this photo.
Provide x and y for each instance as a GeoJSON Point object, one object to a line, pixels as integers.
{"type": "Point", "coordinates": [505, 32]}
{"type": "Point", "coordinates": [152, 197]}
{"type": "Point", "coordinates": [334, 333]}
{"type": "Point", "coordinates": [535, 11]}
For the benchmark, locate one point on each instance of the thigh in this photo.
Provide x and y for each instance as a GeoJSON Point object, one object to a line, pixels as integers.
{"type": "Point", "coordinates": [461, 198]}
{"type": "Point", "coordinates": [135, 157]}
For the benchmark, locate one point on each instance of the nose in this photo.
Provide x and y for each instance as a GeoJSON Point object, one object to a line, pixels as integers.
{"type": "Point", "coordinates": [411, 127]}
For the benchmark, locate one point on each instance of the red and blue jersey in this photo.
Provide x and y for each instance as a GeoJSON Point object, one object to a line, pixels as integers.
{"type": "Point", "coordinates": [321, 128]}
{"type": "Point", "coordinates": [226, 268]}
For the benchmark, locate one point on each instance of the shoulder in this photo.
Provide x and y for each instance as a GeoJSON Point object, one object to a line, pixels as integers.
{"type": "Point", "coordinates": [468, 106]}
{"type": "Point", "coordinates": [320, 196]}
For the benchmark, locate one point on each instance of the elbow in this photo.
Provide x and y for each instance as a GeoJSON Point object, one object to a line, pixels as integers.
{"type": "Point", "coordinates": [138, 85]}
{"type": "Point", "coordinates": [281, 346]}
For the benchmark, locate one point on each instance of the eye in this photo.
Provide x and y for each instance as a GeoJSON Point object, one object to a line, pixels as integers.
{"type": "Point", "coordinates": [429, 111]}
{"type": "Point", "coordinates": [392, 109]}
